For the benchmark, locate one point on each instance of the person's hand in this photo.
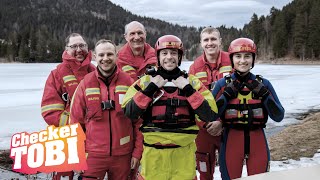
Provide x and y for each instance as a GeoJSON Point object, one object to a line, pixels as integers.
{"type": "Point", "coordinates": [158, 80]}
{"type": "Point", "coordinates": [134, 163]}
{"type": "Point", "coordinates": [214, 128]}
{"type": "Point", "coordinates": [181, 82]}
{"type": "Point", "coordinates": [232, 89]}
{"type": "Point", "coordinates": [258, 89]}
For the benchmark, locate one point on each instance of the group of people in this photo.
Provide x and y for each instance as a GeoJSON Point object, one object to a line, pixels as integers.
{"type": "Point", "coordinates": [138, 106]}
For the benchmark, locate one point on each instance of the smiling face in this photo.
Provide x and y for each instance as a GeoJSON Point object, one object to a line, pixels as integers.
{"type": "Point", "coordinates": [77, 48]}
{"type": "Point", "coordinates": [210, 43]}
{"type": "Point", "coordinates": [169, 59]}
{"type": "Point", "coordinates": [242, 61]}
{"type": "Point", "coordinates": [105, 56]}
{"type": "Point", "coordinates": [135, 35]}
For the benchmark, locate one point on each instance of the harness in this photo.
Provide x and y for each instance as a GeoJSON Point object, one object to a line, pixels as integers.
{"type": "Point", "coordinates": [169, 112]}
{"type": "Point", "coordinates": [245, 113]}
{"type": "Point", "coordinates": [93, 98]}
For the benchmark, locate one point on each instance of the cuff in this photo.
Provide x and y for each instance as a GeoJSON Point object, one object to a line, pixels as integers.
{"type": "Point", "coordinates": [150, 90]}
{"type": "Point", "coordinates": [188, 89]}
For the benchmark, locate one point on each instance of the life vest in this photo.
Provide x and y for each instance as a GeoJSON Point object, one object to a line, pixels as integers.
{"type": "Point", "coordinates": [245, 112]}
{"type": "Point", "coordinates": [209, 76]}
{"type": "Point", "coordinates": [171, 113]}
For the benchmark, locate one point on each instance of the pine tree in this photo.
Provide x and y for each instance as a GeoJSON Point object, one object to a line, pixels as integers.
{"type": "Point", "coordinates": [314, 30]}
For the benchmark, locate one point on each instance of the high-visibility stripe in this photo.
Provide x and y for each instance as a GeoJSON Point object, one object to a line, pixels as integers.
{"type": "Point", "coordinates": [51, 107]}
{"type": "Point", "coordinates": [122, 89]}
{"type": "Point", "coordinates": [201, 74]}
{"type": "Point", "coordinates": [69, 78]}
{"type": "Point", "coordinates": [91, 91]}
{"type": "Point", "coordinates": [225, 69]}
{"type": "Point", "coordinates": [127, 68]}
{"type": "Point", "coordinates": [64, 118]}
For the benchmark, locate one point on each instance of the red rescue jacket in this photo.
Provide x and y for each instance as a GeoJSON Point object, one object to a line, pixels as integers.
{"type": "Point", "coordinates": [61, 85]}
{"type": "Point", "coordinates": [202, 70]}
{"type": "Point", "coordinates": [136, 66]}
{"type": "Point", "coordinates": [97, 107]}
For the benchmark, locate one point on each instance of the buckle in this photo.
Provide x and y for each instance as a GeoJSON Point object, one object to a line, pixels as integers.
{"type": "Point", "coordinates": [109, 104]}
{"type": "Point", "coordinates": [211, 85]}
{"type": "Point", "coordinates": [174, 102]}
{"type": "Point", "coordinates": [245, 112]}
{"type": "Point", "coordinates": [65, 97]}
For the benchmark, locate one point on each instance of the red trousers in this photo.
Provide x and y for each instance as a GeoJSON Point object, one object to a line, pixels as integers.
{"type": "Point", "coordinates": [232, 153]}
{"type": "Point", "coordinates": [117, 167]}
{"type": "Point", "coordinates": [206, 154]}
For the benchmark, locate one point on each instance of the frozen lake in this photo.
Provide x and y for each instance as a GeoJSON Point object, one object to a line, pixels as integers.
{"type": "Point", "coordinates": [22, 87]}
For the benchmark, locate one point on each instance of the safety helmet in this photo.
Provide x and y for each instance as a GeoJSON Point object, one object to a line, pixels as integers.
{"type": "Point", "coordinates": [169, 42]}
{"type": "Point", "coordinates": [242, 45]}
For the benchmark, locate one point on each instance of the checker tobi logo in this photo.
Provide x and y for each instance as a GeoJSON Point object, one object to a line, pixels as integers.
{"type": "Point", "coordinates": [56, 149]}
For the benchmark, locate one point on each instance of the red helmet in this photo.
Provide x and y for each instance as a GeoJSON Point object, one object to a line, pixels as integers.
{"type": "Point", "coordinates": [169, 42]}
{"type": "Point", "coordinates": [242, 45]}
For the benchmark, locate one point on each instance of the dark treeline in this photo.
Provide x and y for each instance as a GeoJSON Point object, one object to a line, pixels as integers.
{"type": "Point", "coordinates": [34, 30]}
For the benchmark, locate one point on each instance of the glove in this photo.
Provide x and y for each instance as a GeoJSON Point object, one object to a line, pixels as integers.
{"type": "Point", "coordinates": [231, 90]}
{"type": "Point", "coordinates": [258, 89]}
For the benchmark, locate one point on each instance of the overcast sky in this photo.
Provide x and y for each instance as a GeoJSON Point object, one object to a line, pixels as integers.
{"type": "Point", "coordinates": [197, 13]}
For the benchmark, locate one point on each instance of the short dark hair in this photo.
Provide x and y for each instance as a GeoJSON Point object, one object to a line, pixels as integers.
{"type": "Point", "coordinates": [105, 41]}
{"type": "Point", "coordinates": [67, 40]}
{"type": "Point", "coordinates": [209, 30]}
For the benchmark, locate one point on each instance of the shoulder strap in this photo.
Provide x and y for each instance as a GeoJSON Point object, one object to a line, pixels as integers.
{"type": "Point", "coordinates": [259, 78]}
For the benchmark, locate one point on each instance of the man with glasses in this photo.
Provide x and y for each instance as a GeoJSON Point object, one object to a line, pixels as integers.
{"type": "Point", "coordinates": [136, 55]}
{"type": "Point", "coordinates": [62, 83]}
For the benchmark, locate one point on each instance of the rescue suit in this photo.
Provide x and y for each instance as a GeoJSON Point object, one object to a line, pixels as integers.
{"type": "Point", "coordinates": [207, 145]}
{"type": "Point", "coordinates": [136, 66]}
{"type": "Point", "coordinates": [169, 123]}
{"type": "Point", "coordinates": [60, 86]}
{"type": "Point", "coordinates": [58, 91]}
{"type": "Point", "coordinates": [111, 138]}
{"type": "Point", "coordinates": [243, 119]}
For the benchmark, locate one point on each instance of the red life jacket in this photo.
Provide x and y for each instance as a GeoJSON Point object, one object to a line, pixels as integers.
{"type": "Point", "coordinates": [245, 112]}
{"type": "Point", "coordinates": [171, 111]}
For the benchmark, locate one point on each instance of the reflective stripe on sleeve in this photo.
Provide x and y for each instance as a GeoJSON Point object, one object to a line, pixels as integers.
{"type": "Point", "coordinates": [127, 68]}
{"type": "Point", "coordinates": [52, 107]}
{"type": "Point", "coordinates": [64, 118]}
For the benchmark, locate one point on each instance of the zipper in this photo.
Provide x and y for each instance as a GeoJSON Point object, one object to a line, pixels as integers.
{"type": "Point", "coordinates": [110, 122]}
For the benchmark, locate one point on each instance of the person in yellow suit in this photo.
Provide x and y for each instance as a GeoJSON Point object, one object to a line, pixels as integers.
{"type": "Point", "coordinates": [170, 103]}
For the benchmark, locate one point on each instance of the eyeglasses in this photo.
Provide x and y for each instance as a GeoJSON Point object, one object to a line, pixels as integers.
{"type": "Point", "coordinates": [75, 46]}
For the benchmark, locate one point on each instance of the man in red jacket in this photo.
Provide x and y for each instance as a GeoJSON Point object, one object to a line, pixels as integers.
{"type": "Point", "coordinates": [62, 82]}
{"type": "Point", "coordinates": [136, 55]}
{"type": "Point", "coordinates": [113, 141]}
{"type": "Point", "coordinates": [212, 65]}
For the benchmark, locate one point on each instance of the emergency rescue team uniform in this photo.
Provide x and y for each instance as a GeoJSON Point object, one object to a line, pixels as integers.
{"type": "Point", "coordinates": [243, 119]}
{"type": "Point", "coordinates": [111, 138]}
{"type": "Point", "coordinates": [169, 126]}
{"type": "Point", "coordinates": [208, 74]}
{"type": "Point", "coordinates": [60, 87]}
{"type": "Point", "coordinates": [136, 66]}
{"type": "Point", "coordinates": [58, 91]}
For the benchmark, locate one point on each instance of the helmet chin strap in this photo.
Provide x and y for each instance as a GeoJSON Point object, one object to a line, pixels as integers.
{"type": "Point", "coordinates": [242, 73]}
